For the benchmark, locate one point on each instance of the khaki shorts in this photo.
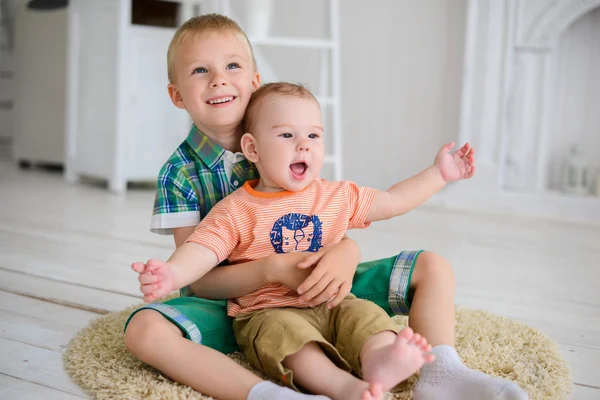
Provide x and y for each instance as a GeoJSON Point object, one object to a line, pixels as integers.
{"type": "Point", "coordinates": [268, 336]}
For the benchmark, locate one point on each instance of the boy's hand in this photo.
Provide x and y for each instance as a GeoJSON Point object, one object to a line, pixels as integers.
{"type": "Point", "coordinates": [457, 165]}
{"type": "Point", "coordinates": [331, 279]}
{"type": "Point", "coordinates": [156, 279]}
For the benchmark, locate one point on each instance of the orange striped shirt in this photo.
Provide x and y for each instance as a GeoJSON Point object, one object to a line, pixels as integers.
{"type": "Point", "coordinates": [248, 225]}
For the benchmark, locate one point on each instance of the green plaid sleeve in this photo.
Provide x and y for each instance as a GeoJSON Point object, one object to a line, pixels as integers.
{"type": "Point", "coordinates": [176, 203]}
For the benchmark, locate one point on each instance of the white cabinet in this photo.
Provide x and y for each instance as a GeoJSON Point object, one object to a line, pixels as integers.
{"type": "Point", "coordinates": [39, 85]}
{"type": "Point", "coordinates": [7, 22]}
{"type": "Point", "coordinates": [121, 124]}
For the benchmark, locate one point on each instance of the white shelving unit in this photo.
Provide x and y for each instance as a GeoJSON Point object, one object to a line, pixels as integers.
{"type": "Point", "coordinates": [328, 87]}
{"type": "Point", "coordinates": [120, 123]}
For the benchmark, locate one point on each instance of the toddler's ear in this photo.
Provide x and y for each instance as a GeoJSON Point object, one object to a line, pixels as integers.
{"type": "Point", "coordinates": [175, 96]}
{"type": "Point", "coordinates": [248, 144]}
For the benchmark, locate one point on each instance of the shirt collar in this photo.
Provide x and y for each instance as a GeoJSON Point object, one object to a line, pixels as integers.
{"type": "Point", "coordinates": [208, 151]}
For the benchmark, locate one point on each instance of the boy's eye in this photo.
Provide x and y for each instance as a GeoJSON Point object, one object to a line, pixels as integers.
{"type": "Point", "coordinates": [199, 70]}
{"type": "Point", "coordinates": [286, 135]}
{"type": "Point", "coordinates": [233, 66]}
{"type": "Point", "coordinates": [314, 136]}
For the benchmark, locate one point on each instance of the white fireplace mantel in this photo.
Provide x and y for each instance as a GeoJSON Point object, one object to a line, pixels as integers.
{"type": "Point", "coordinates": [507, 104]}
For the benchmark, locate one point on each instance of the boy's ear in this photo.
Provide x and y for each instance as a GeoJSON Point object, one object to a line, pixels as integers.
{"type": "Point", "coordinates": [248, 143]}
{"type": "Point", "coordinates": [256, 81]}
{"type": "Point", "coordinates": [175, 96]}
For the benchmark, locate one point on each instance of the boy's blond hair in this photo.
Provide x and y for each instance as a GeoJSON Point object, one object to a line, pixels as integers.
{"type": "Point", "coordinates": [271, 89]}
{"type": "Point", "coordinates": [207, 23]}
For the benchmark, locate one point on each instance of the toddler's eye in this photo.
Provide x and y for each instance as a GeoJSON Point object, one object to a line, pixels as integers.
{"type": "Point", "coordinates": [233, 66]}
{"type": "Point", "coordinates": [286, 135]}
{"type": "Point", "coordinates": [199, 70]}
{"type": "Point", "coordinates": [314, 136]}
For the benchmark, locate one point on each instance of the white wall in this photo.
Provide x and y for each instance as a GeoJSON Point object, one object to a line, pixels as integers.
{"type": "Point", "coordinates": [401, 80]}
{"type": "Point", "coordinates": [401, 77]}
{"type": "Point", "coordinates": [577, 98]}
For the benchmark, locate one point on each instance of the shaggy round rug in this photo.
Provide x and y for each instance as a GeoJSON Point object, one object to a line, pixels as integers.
{"type": "Point", "coordinates": [98, 361]}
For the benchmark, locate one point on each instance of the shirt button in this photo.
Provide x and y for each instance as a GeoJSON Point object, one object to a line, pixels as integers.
{"type": "Point", "coordinates": [235, 183]}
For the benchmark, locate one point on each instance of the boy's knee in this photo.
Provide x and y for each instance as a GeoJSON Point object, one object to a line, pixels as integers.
{"type": "Point", "coordinates": [430, 266]}
{"type": "Point", "coordinates": [146, 328]}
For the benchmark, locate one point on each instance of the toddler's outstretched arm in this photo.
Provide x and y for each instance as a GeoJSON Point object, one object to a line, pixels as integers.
{"type": "Point", "coordinates": [412, 192]}
{"type": "Point", "coordinates": [187, 264]}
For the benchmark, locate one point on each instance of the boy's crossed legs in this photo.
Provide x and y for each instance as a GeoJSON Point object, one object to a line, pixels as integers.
{"type": "Point", "coordinates": [431, 314]}
{"type": "Point", "coordinates": [317, 348]}
{"type": "Point", "coordinates": [158, 342]}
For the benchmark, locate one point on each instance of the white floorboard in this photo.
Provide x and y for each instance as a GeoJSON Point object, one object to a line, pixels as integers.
{"type": "Point", "coordinates": [65, 253]}
{"type": "Point", "coordinates": [35, 364]}
{"type": "Point", "coordinates": [14, 388]}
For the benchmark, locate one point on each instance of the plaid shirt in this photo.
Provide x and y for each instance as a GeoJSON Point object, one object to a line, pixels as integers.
{"type": "Point", "coordinates": [194, 179]}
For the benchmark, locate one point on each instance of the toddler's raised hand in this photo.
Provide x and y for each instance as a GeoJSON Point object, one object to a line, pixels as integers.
{"type": "Point", "coordinates": [457, 165]}
{"type": "Point", "coordinates": [156, 279]}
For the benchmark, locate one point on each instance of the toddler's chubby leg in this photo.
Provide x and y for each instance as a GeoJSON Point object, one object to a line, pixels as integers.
{"type": "Point", "coordinates": [316, 372]}
{"type": "Point", "coordinates": [289, 344]}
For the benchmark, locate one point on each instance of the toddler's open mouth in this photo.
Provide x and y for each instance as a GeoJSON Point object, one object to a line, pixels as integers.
{"type": "Point", "coordinates": [298, 169]}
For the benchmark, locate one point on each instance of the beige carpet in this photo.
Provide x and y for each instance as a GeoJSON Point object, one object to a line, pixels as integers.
{"type": "Point", "coordinates": [98, 361]}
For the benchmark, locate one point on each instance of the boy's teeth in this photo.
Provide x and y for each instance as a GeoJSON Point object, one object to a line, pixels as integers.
{"type": "Point", "coordinates": [222, 100]}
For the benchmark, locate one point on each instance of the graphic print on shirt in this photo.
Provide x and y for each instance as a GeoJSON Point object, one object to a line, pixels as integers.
{"type": "Point", "coordinates": [297, 232]}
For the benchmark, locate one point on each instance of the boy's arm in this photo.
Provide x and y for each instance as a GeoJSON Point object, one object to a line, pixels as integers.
{"type": "Point", "coordinates": [231, 280]}
{"type": "Point", "coordinates": [187, 264]}
{"type": "Point", "coordinates": [228, 281]}
{"type": "Point", "coordinates": [241, 279]}
{"type": "Point", "coordinates": [412, 192]}
{"type": "Point", "coordinates": [322, 276]}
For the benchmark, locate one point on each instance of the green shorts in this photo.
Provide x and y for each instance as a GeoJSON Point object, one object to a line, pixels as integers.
{"type": "Point", "coordinates": [385, 282]}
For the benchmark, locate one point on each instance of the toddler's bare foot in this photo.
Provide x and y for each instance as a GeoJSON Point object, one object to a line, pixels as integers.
{"type": "Point", "coordinates": [360, 390]}
{"type": "Point", "coordinates": [373, 393]}
{"type": "Point", "coordinates": [388, 365]}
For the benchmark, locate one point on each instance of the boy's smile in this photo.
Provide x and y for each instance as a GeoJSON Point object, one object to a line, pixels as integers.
{"type": "Point", "coordinates": [223, 101]}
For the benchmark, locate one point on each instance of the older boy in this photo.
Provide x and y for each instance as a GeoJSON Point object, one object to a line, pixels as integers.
{"type": "Point", "coordinates": [204, 169]}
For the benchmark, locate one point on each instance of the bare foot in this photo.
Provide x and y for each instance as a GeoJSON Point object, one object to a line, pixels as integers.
{"type": "Point", "coordinates": [361, 390]}
{"type": "Point", "coordinates": [375, 392]}
{"type": "Point", "coordinates": [386, 366]}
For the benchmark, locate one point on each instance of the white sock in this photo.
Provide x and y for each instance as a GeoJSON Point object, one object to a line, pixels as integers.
{"type": "Point", "coordinates": [449, 379]}
{"type": "Point", "coordinates": [267, 390]}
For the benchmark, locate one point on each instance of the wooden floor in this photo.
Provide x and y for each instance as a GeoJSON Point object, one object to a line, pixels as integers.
{"type": "Point", "coordinates": [65, 253]}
